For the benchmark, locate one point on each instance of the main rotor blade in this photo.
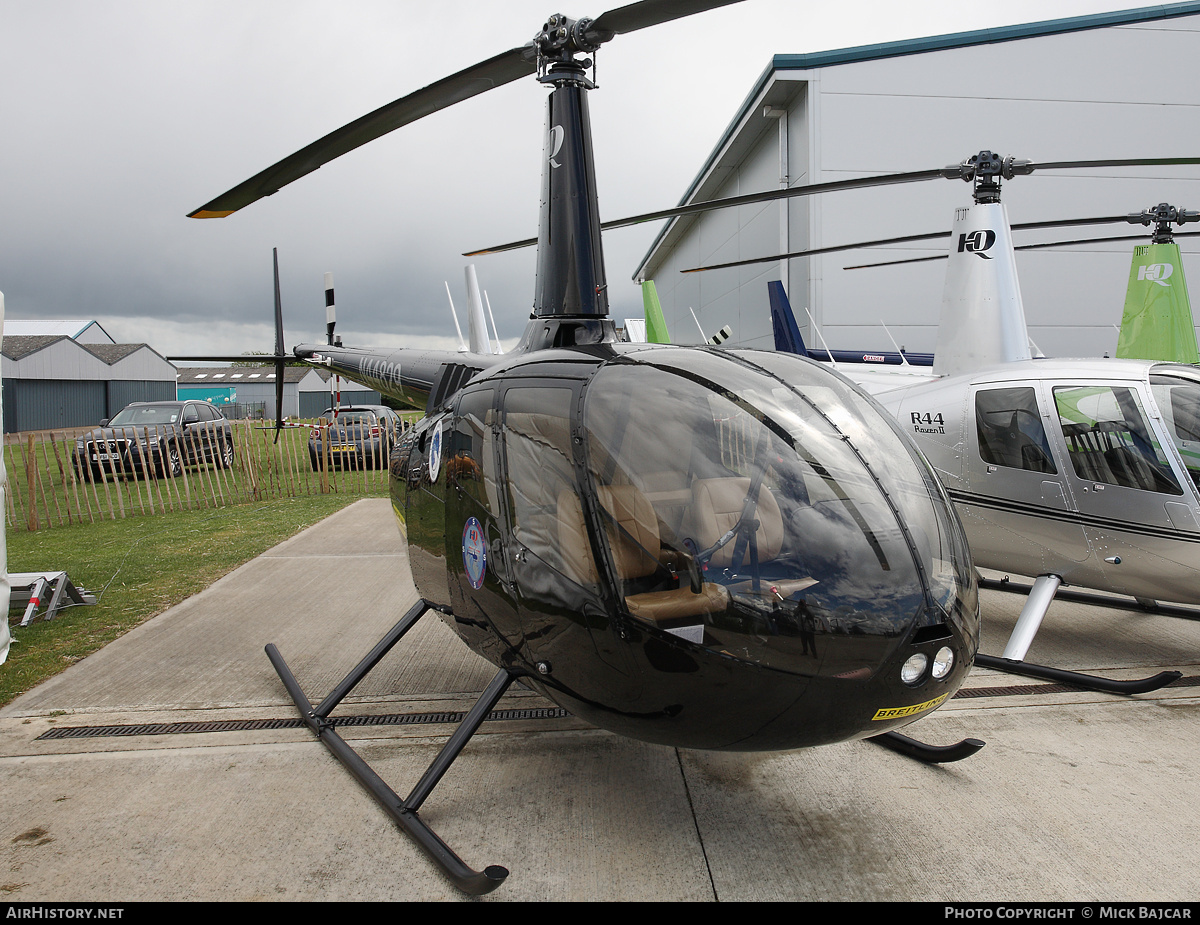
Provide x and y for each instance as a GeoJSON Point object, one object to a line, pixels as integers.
{"type": "Point", "coordinates": [479, 78]}
{"type": "Point", "coordinates": [905, 239]}
{"type": "Point", "coordinates": [634, 16]}
{"type": "Point", "coordinates": [749, 199]}
{"type": "Point", "coordinates": [812, 189]}
{"type": "Point", "coordinates": [1131, 162]}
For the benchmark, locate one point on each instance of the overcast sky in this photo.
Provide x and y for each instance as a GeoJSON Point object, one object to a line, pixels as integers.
{"type": "Point", "coordinates": [119, 117]}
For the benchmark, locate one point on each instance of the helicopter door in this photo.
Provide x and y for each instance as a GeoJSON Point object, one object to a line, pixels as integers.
{"type": "Point", "coordinates": [551, 554]}
{"type": "Point", "coordinates": [484, 598]}
{"type": "Point", "coordinates": [1125, 487]}
{"type": "Point", "coordinates": [1018, 488]}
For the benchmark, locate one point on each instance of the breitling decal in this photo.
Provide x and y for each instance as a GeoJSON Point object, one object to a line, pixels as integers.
{"type": "Point", "coordinates": [900, 712]}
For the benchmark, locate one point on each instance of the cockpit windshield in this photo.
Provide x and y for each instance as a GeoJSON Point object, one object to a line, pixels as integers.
{"type": "Point", "coordinates": [741, 514]}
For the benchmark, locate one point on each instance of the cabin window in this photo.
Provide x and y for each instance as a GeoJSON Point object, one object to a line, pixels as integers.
{"type": "Point", "coordinates": [1179, 402]}
{"type": "Point", "coordinates": [541, 480]}
{"type": "Point", "coordinates": [1109, 440]}
{"type": "Point", "coordinates": [471, 462]}
{"type": "Point", "coordinates": [1010, 430]}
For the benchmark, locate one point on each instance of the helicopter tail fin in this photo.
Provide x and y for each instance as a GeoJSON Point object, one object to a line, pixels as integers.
{"type": "Point", "coordinates": [656, 325]}
{"type": "Point", "coordinates": [477, 332]}
{"type": "Point", "coordinates": [787, 332]}
{"type": "Point", "coordinates": [983, 318]}
{"type": "Point", "coordinates": [1157, 323]}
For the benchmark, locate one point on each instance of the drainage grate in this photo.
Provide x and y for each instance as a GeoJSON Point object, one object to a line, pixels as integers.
{"type": "Point", "coordinates": [237, 725]}
{"type": "Point", "coordinates": [455, 717]}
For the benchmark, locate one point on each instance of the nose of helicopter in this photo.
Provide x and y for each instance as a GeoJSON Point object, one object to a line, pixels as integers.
{"type": "Point", "coordinates": [791, 566]}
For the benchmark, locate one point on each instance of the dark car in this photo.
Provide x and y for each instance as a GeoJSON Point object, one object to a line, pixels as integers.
{"type": "Point", "coordinates": [360, 436]}
{"type": "Point", "coordinates": [160, 437]}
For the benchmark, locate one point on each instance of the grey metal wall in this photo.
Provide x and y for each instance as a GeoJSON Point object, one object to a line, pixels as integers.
{"type": "Point", "coordinates": [123, 391]}
{"type": "Point", "coordinates": [42, 404]}
{"type": "Point", "coordinates": [1053, 97]}
{"type": "Point", "coordinates": [45, 404]}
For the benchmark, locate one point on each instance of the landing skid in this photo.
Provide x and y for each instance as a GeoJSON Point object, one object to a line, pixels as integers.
{"type": "Point", "coordinates": [930, 754]}
{"type": "Point", "coordinates": [1039, 597]}
{"type": "Point", "coordinates": [1078, 679]}
{"type": "Point", "coordinates": [404, 812]}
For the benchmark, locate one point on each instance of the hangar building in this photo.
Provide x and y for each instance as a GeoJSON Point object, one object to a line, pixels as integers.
{"type": "Point", "coordinates": [52, 380]}
{"type": "Point", "coordinates": [1113, 85]}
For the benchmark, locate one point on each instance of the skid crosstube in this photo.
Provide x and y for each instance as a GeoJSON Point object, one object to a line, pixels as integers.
{"type": "Point", "coordinates": [403, 812]}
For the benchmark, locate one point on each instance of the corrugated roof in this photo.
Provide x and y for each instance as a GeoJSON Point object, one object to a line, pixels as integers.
{"type": "Point", "coordinates": [19, 346]}
{"type": "Point", "coordinates": [16, 346]}
{"type": "Point", "coordinates": [112, 353]}
{"type": "Point", "coordinates": [65, 327]}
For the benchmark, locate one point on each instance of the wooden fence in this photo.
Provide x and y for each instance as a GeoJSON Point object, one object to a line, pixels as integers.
{"type": "Point", "coordinates": [51, 483]}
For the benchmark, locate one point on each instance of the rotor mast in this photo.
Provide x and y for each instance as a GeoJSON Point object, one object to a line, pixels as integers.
{"type": "Point", "coordinates": [570, 264]}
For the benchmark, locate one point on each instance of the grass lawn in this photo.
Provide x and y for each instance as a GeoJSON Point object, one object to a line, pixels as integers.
{"type": "Point", "coordinates": [138, 568]}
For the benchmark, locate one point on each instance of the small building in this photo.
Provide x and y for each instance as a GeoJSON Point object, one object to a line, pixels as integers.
{"type": "Point", "coordinates": [53, 381]}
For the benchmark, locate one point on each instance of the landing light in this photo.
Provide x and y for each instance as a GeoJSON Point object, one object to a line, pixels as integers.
{"type": "Point", "coordinates": [943, 662]}
{"type": "Point", "coordinates": [913, 669]}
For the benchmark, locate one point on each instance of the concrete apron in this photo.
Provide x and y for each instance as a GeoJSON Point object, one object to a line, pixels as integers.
{"type": "Point", "coordinates": [1077, 796]}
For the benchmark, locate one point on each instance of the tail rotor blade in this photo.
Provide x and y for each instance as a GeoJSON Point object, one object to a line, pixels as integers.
{"type": "Point", "coordinates": [279, 365]}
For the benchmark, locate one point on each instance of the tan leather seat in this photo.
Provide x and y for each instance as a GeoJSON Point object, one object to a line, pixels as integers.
{"type": "Point", "coordinates": [716, 506]}
{"type": "Point", "coordinates": [636, 551]}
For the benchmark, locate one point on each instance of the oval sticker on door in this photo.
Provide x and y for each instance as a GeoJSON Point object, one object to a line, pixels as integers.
{"type": "Point", "coordinates": [474, 551]}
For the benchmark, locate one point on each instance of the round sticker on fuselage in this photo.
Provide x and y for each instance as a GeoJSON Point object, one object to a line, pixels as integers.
{"type": "Point", "coordinates": [435, 452]}
{"type": "Point", "coordinates": [474, 551]}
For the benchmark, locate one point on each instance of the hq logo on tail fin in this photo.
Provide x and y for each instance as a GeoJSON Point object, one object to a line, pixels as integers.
{"type": "Point", "coordinates": [1157, 323]}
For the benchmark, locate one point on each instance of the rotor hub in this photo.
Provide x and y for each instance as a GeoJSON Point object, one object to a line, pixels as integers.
{"type": "Point", "coordinates": [1162, 217]}
{"type": "Point", "coordinates": [986, 169]}
{"type": "Point", "coordinates": [560, 38]}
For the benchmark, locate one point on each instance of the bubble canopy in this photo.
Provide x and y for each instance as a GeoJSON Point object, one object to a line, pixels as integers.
{"type": "Point", "coordinates": [739, 512]}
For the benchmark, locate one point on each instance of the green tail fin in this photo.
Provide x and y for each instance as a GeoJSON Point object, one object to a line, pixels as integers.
{"type": "Point", "coordinates": [656, 325]}
{"type": "Point", "coordinates": [1157, 323]}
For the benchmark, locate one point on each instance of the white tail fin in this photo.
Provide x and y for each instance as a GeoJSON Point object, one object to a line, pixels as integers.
{"type": "Point", "coordinates": [477, 332]}
{"type": "Point", "coordinates": [983, 319]}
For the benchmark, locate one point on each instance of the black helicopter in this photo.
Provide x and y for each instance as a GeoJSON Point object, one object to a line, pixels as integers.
{"type": "Point", "coordinates": [719, 549]}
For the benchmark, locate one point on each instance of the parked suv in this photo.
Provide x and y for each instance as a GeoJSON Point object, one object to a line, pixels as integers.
{"type": "Point", "coordinates": [158, 436]}
{"type": "Point", "coordinates": [361, 436]}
